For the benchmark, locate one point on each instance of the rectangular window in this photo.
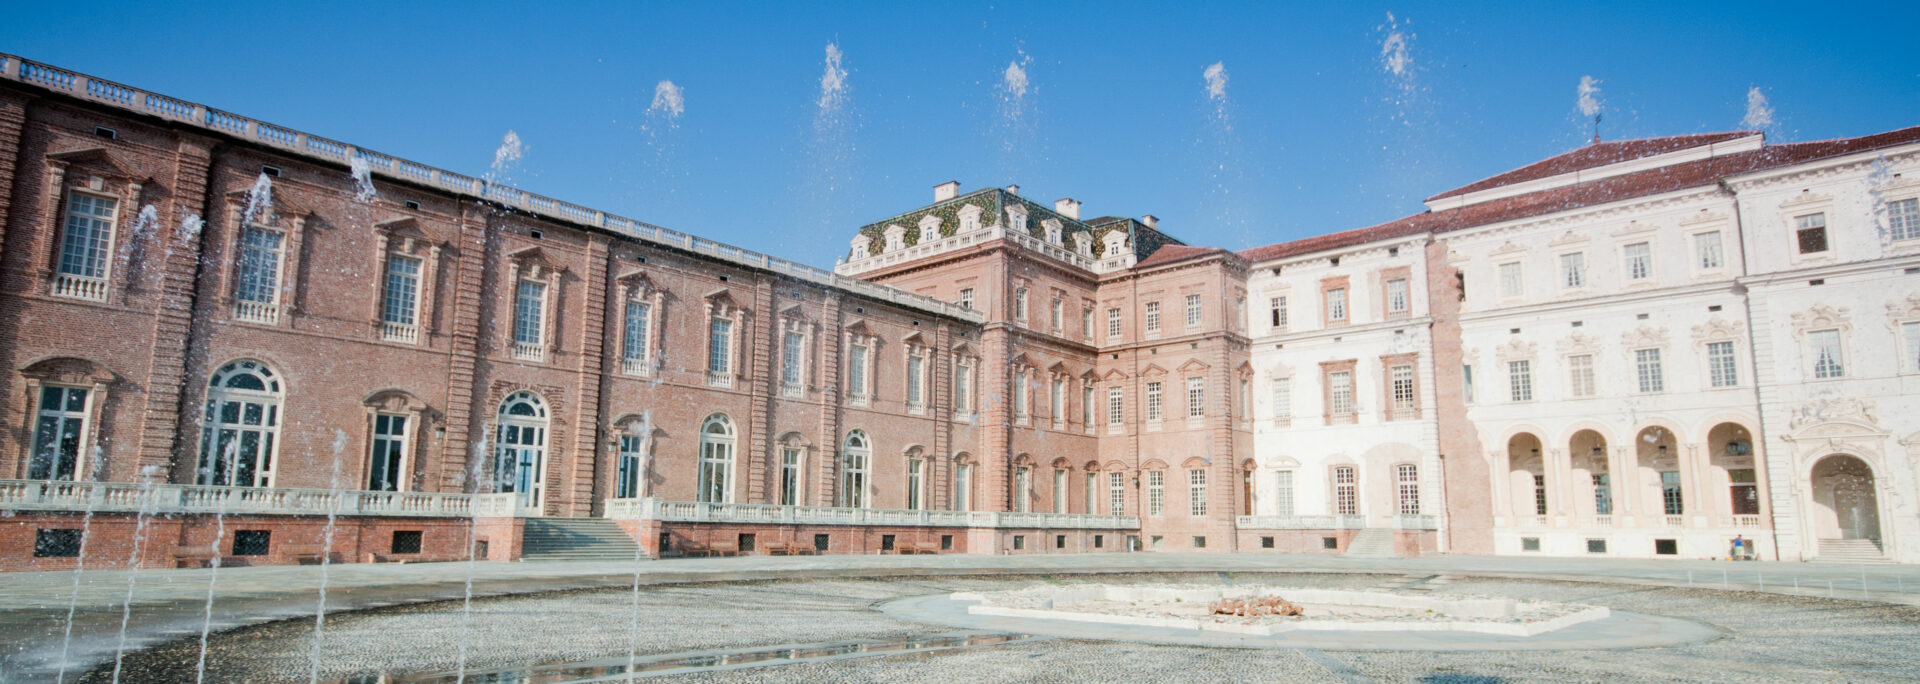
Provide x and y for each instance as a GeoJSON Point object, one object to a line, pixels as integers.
{"type": "Point", "coordinates": [1707, 252]}
{"type": "Point", "coordinates": [1086, 405]}
{"type": "Point", "coordinates": [59, 430]}
{"type": "Point", "coordinates": [1086, 323]}
{"type": "Point", "coordinates": [1511, 282]}
{"type": "Point", "coordinates": [1539, 495]}
{"type": "Point", "coordinates": [1911, 331]}
{"type": "Point", "coordinates": [1407, 482]}
{"type": "Point", "coordinates": [399, 303]}
{"type": "Point", "coordinates": [260, 259]}
{"type": "Point", "coordinates": [1196, 398]}
{"type": "Point", "coordinates": [1283, 493]}
{"type": "Point", "coordinates": [1397, 296]}
{"type": "Point", "coordinates": [1090, 500]}
{"type": "Point", "coordinates": [915, 365]}
{"type": "Point", "coordinates": [1520, 381]}
{"type": "Point", "coordinates": [1337, 304]}
{"type": "Point", "coordinates": [1020, 305]}
{"type": "Point", "coordinates": [1720, 368]}
{"type": "Point", "coordinates": [790, 359]}
{"type": "Point", "coordinates": [627, 483]}
{"type": "Point", "coordinates": [1283, 398]}
{"type": "Point", "coordinates": [962, 388]}
{"type": "Point", "coordinates": [1573, 270]}
{"type": "Point", "coordinates": [963, 487]}
{"type": "Point", "coordinates": [1058, 315]}
{"type": "Point", "coordinates": [386, 465]}
{"type": "Point", "coordinates": [1153, 317]}
{"type": "Point", "coordinates": [1580, 375]}
{"type": "Point", "coordinates": [1602, 495]}
{"type": "Point", "coordinates": [1277, 311]}
{"type": "Point", "coordinates": [1116, 493]}
{"type": "Point", "coordinates": [1648, 371]}
{"type": "Point", "coordinates": [634, 347]}
{"type": "Point", "coordinates": [1346, 500]}
{"type": "Point", "coordinates": [1152, 402]}
{"type": "Point", "coordinates": [789, 477]}
{"type": "Point", "coordinates": [720, 346]}
{"type": "Point", "coordinates": [1020, 394]}
{"type": "Point", "coordinates": [1022, 489]}
{"type": "Point", "coordinates": [1340, 391]}
{"type": "Point", "coordinates": [915, 469]}
{"type": "Point", "coordinates": [1903, 219]}
{"type": "Point", "coordinates": [529, 312]}
{"type": "Point", "coordinates": [1402, 378]}
{"type": "Point", "coordinates": [1670, 496]}
{"type": "Point", "coordinates": [1197, 492]}
{"type": "Point", "coordinates": [1828, 362]}
{"type": "Point", "coordinates": [89, 236]}
{"type": "Point", "coordinates": [1156, 492]}
{"type": "Point", "coordinates": [1113, 325]}
{"type": "Point", "coordinates": [1810, 232]}
{"type": "Point", "coordinates": [1115, 406]}
{"type": "Point", "coordinates": [1057, 402]}
{"type": "Point", "coordinates": [1743, 489]}
{"type": "Point", "coordinates": [1059, 491]}
{"type": "Point", "coordinates": [1466, 382]}
{"type": "Point", "coordinates": [857, 370]}
{"type": "Point", "coordinates": [1193, 310]}
{"type": "Point", "coordinates": [1639, 257]}
{"type": "Point", "coordinates": [966, 298]}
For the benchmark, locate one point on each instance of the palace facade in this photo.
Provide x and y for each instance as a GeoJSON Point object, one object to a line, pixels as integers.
{"type": "Point", "coordinates": [228, 339]}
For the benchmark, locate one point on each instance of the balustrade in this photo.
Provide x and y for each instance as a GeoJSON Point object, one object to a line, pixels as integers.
{"type": "Point", "coordinates": [689, 511]}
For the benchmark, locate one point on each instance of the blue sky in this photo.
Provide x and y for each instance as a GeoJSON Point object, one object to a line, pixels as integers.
{"type": "Point", "coordinates": [1316, 135]}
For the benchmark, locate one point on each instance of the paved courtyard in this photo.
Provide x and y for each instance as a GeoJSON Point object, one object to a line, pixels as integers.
{"type": "Point", "coordinates": [732, 603]}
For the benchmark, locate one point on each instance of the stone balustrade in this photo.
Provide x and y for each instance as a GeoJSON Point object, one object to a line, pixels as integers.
{"type": "Point", "coordinates": [127, 497]}
{"type": "Point", "coordinates": [1304, 522]}
{"type": "Point", "coordinates": [689, 511]}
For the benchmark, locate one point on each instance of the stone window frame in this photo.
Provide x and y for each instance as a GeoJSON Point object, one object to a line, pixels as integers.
{"type": "Point", "coordinates": [866, 392]}
{"type": "Point", "coordinates": [1519, 351]}
{"type": "Point", "coordinates": [1057, 397]}
{"type": "Point", "coordinates": [71, 372]}
{"type": "Point", "coordinates": [915, 347]}
{"type": "Point", "coordinates": [1635, 233]}
{"type": "Point", "coordinates": [1156, 489]}
{"type": "Point", "coordinates": [1195, 309]}
{"type": "Point", "coordinates": [1698, 225]}
{"type": "Point", "coordinates": [1153, 396]}
{"type": "Point", "coordinates": [1807, 203]}
{"type": "Point", "coordinates": [1570, 244]}
{"type": "Point", "coordinates": [1644, 338]}
{"type": "Point", "coordinates": [636, 288]}
{"type": "Point", "coordinates": [1390, 401]}
{"type": "Point", "coordinates": [1196, 490]}
{"type": "Point", "coordinates": [1901, 313]}
{"type": "Point", "coordinates": [1089, 402]}
{"type": "Point", "coordinates": [1150, 318]}
{"type": "Point", "coordinates": [1196, 395]}
{"type": "Point", "coordinates": [1328, 285]}
{"type": "Point", "coordinates": [1898, 189]}
{"type": "Point", "coordinates": [1404, 275]}
{"type": "Point", "coordinates": [1327, 370]}
{"type": "Point", "coordinates": [405, 239]}
{"type": "Point", "coordinates": [1086, 320]}
{"type": "Point", "coordinates": [282, 216]}
{"type": "Point", "coordinates": [641, 428]}
{"type": "Point", "coordinates": [1020, 310]}
{"type": "Point", "coordinates": [1020, 393]}
{"type": "Point", "coordinates": [1116, 332]}
{"type": "Point", "coordinates": [1509, 255]}
{"type": "Point", "coordinates": [401, 403]}
{"type": "Point", "coordinates": [803, 451]}
{"type": "Point", "coordinates": [917, 467]}
{"type": "Point", "coordinates": [1275, 375]}
{"type": "Point", "coordinates": [531, 265]}
{"type": "Point", "coordinates": [1404, 486]}
{"type": "Point", "coordinates": [961, 357]}
{"type": "Point", "coordinates": [1719, 329]}
{"type": "Point", "coordinates": [1821, 318]}
{"type": "Point", "coordinates": [1116, 406]}
{"type": "Point", "coordinates": [1576, 346]}
{"type": "Point", "coordinates": [99, 173]}
{"type": "Point", "coordinates": [1334, 485]}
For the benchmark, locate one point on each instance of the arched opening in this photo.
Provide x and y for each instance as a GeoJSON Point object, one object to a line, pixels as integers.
{"type": "Point", "coordinates": [855, 461]}
{"type": "Point", "coordinates": [963, 482]}
{"type": "Point", "coordinates": [1844, 502]}
{"type": "Point", "coordinates": [1527, 476]}
{"type": "Point", "coordinates": [241, 436]}
{"type": "Point", "coordinates": [632, 437]}
{"type": "Point", "coordinates": [1587, 452]}
{"type": "Point", "coordinates": [1658, 460]}
{"type": "Point", "coordinates": [1730, 453]}
{"type": "Point", "coordinates": [522, 444]}
{"type": "Point", "coordinates": [916, 478]}
{"type": "Point", "coordinates": [716, 459]}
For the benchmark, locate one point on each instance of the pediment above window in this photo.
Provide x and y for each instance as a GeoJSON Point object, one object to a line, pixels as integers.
{"type": "Point", "coordinates": [68, 370]}
{"type": "Point", "coordinates": [1822, 316]}
{"type": "Point", "coordinates": [98, 160]}
{"type": "Point", "coordinates": [1576, 344]}
{"type": "Point", "coordinates": [1718, 329]}
{"type": "Point", "coordinates": [534, 262]}
{"type": "Point", "coordinates": [1569, 238]}
{"type": "Point", "coordinates": [1193, 366]}
{"type": "Point", "coordinates": [281, 207]}
{"type": "Point", "coordinates": [1152, 371]}
{"type": "Point", "coordinates": [1516, 350]}
{"type": "Point", "coordinates": [1644, 337]}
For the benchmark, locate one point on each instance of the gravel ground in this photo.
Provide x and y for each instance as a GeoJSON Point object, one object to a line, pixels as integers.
{"type": "Point", "coordinates": [1770, 637]}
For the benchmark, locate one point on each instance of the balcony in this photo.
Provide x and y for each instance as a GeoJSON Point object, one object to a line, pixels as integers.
{"type": "Point", "coordinates": [688, 511]}
{"type": "Point", "coordinates": [403, 333]}
{"type": "Point", "coordinates": [265, 313]}
{"type": "Point", "coordinates": [529, 351]}
{"type": "Point", "coordinates": [632, 366]}
{"type": "Point", "coordinates": [1674, 521]}
{"type": "Point", "coordinates": [79, 287]}
{"type": "Point", "coordinates": [163, 499]}
{"type": "Point", "coordinates": [1416, 522]}
{"type": "Point", "coordinates": [1740, 521]}
{"type": "Point", "coordinates": [719, 379]}
{"type": "Point", "coordinates": [1340, 418]}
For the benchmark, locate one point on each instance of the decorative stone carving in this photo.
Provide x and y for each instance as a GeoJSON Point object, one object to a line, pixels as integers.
{"type": "Point", "coordinates": [1718, 329]}
{"type": "Point", "coordinates": [1644, 337]}
{"type": "Point", "coordinates": [1829, 409]}
{"type": "Point", "coordinates": [1820, 317]}
{"type": "Point", "coordinates": [1577, 343]}
{"type": "Point", "coordinates": [1516, 350]}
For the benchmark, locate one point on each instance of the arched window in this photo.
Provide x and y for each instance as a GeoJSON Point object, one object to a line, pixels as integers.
{"type": "Point", "coordinates": [522, 445]}
{"type": "Point", "coordinates": [854, 463]}
{"type": "Point", "coordinates": [241, 436]}
{"type": "Point", "coordinates": [962, 483]}
{"type": "Point", "coordinates": [716, 459]}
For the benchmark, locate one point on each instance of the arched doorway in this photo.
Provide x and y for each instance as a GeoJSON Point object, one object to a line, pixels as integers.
{"type": "Point", "coordinates": [1844, 501]}
{"type": "Point", "coordinates": [1587, 451]}
{"type": "Point", "coordinates": [522, 444]}
{"type": "Point", "coordinates": [1527, 477]}
{"type": "Point", "coordinates": [241, 436]}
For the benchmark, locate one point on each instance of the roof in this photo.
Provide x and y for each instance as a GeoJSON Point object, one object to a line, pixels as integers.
{"type": "Point", "coordinates": [1692, 174]}
{"type": "Point", "coordinates": [1593, 156]}
{"type": "Point", "coordinates": [1171, 253]}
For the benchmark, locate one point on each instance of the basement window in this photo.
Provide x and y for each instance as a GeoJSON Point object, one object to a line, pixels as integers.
{"type": "Point", "coordinates": [405, 541]}
{"type": "Point", "coordinates": [1529, 543]}
{"type": "Point", "coordinates": [251, 542]}
{"type": "Point", "coordinates": [56, 543]}
{"type": "Point", "coordinates": [412, 204]}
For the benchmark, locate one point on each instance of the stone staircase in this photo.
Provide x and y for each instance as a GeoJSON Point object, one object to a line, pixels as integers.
{"type": "Point", "coordinates": [1373, 542]}
{"type": "Point", "coordinates": [1851, 551]}
{"type": "Point", "coordinates": [552, 539]}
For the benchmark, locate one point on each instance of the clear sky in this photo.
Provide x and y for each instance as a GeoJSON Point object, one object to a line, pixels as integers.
{"type": "Point", "coordinates": [1313, 133]}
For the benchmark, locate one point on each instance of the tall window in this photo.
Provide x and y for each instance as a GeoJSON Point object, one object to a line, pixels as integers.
{"type": "Point", "coordinates": [1091, 500]}
{"type": "Point", "coordinates": [1810, 231]}
{"type": "Point", "coordinates": [1086, 323]}
{"type": "Point", "coordinates": [1670, 497]}
{"type": "Point", "coordinates": [791, 360]}
{"type": "Point", "coordinates": [1058, 315]}
{"type": "Point", "coordinates": [1639, 256]}
{"type": "Point", "coordinates": [720, 348]}
{"type": "Point", "coordinates": [966, 298]}
{"type": "Point", "coordinates": [1466, 382]}
{"type": "Point", "coordinates": [1539, 495]}
{"type": "Point", "coordinates": [1512, 284]}
{"type": "Point", "coordinates": [1520, 380]}
{"type": "Point", "coordinates": [1602, 495]}
{"type": "Point", "coordinates": [915, 481]}
{"type": "Point", "coordinates": [1346, 500]}
{"type": "Point", "coordinates": [1277, 312]}
{"type": "Point", "coordinates": [963, 487]}
{"type": "Point", "coordinates": [1057, 402]}
{"type": "Point", "coordinates": [790, 476]}
{"type": "Point", "coordinates": [386, 465]}
{"type": "Point", "coordinates": [1153, 317]}
{"type": "Point", "coordinates": [916, 366]}
{"type": "Point", "coordinates": [1402, 378]}
{"type": "Point", "coordinates": [1086, 404]}
{"type": "Point", "coordinates": [86, 243]}
{"type": "Point", "coordinates": [626, 483]}
{"type": "Point", "coordinates": [1113, 325]}
{"type": "Point", "coordinates": [857, 372]}
{"type": "Point", "coordinates": [1720, 367]}
{"type": "Point", "coordinates": [400, 302]}
{"type": "Point", "coordinates": [1337, 304]}
{"type": "Point", "coordinates": [1020, 305]}
{"type": "Point", "coordinates": [1340, 392]}
{"type": "Point", "coordinates": [856, 458]}
{"type": "Point", "coordinates": [1059, 491]}
{"type": "Point", "coordinates": [962, 387]}
{"type": "Point", "coordinates": [1903, 219]}
{"type": "Point", "coordinates": [716, 460]}
{"type": "Point", "coordinates": [1116, 493]}
{"type": "Point", "coordinates": [1397, 296]}
{"type": "Point", "coordinates": [1022, 489]}
{"type": "Point", "coordinates": [242, 426]}
{"type": "Point", "coordinates": [520, 458]}
{"type": "Point", "coordinates": [1196, 398]}
{"type": "Point", "coordinates": [1744, 490]}
{"type": "Point", "coordinates": [58, 431]}
{"type": "Point", "coordinates": [1193, 310]}
{"type": "Point", "coordinates": [1648, 370]}
{"type": "Point", "coordinates": [1911, 332]}
{"type": "Point", "coordinates": [1283, 398]}
{"type": "Point", "coordinates": [1828, 362]}
{"type": "Point", "coordinates": [1114, 406]}
{"type": "Point", "coordinates": [1196, 492]}
{"type": "Point", "coordinates": [1153, 402]}
{"type": "Point", "coordinates": [1580, 375]}
{"type": "Point", "coordinates": [1283, 493]}
{"type": "Point", "coordinates": [258, 284]}
{"type": "Point", "coordinates": [634, 347]}
{"type": "Point", "coordinates": [1573, 270]}
{"type": "Point", "coordinates": [1407, 485]}
{"type": "Point", "coordinates": [1156, 492]}
{"type": "Point", "coordinates": [1020, 394]}
{"type": "Point", "coordinates": [1707, 251]}
{"type": "Point", "coordinates": [529, 320]}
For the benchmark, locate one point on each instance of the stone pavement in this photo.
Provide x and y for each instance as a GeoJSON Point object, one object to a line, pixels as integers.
{"type": "Point", "coordinates": [169, 604]}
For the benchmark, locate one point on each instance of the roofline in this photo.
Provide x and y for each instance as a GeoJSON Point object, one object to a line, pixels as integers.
{"type": "Point", "coordinates": [1745, 143]}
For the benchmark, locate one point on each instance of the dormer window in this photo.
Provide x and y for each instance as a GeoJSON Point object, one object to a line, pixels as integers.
{"type": "Point", "coordinates": [1052, 229]}
{"type": "Point", "coordinates": [862, 247]}
{"type": "Point", "coordinates": [970, 218]}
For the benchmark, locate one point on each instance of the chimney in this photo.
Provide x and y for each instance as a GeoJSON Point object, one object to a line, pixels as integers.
{"type": "Point", "coordinates": [1151, 221]}
{"type": "Point", "coordinates": [946, 191]}
{"type": "Point", "coordinates": [1068, 207]}
{"type": "Point", "coordinates": [1013, 190]}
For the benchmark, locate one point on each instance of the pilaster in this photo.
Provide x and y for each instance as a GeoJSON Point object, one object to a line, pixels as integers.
{"type": "Point", "coordinates": [579, 500]}
{"type": "Point", "coordinates": [759, 449]}
{"type": "Point", "coordinates": [164, 428]}
{"type": "Point", "coordinates": [470, 272]}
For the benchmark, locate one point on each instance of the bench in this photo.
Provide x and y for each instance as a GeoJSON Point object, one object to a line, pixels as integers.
{"type": "Point", "coordinates": [694, 548]}
{"type": "Point", "coordinates": [922, 549]}
{"type": "Point", "coordinates": [300, 553]}
{"type": "Point", "coordinates": [199, 556]}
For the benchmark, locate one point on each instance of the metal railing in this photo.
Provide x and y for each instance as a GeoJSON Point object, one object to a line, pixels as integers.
{"type": "Point", "coordinates": [690, 511]}
{"type": "Point", "coordinates": [127, 497]}
{"type": "Point", "coordinates": [14, 68]}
